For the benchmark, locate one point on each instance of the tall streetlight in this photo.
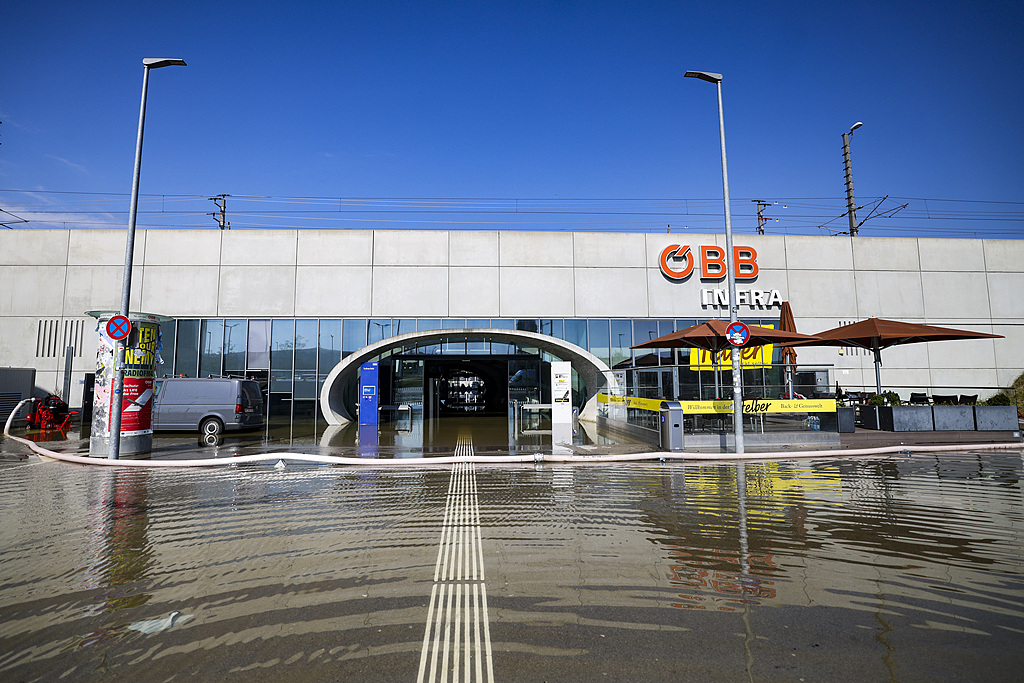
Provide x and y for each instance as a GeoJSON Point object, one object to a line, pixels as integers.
{"type": "Point", "coordinates": [737, 370]}
{"type": "Point", "coordinates": [851, 207]}
{"type": "Point", "coordinates": [114, 447]}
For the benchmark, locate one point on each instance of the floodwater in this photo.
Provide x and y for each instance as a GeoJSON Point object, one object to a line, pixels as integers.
{"type": "Point", "coordinates": [904, 568]}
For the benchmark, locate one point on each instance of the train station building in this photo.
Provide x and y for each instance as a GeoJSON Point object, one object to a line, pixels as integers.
{"type": "Point", "coordinates": [465, 321]}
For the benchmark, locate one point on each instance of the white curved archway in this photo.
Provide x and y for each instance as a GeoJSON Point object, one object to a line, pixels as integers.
{"type": "Point", "coordinates": [595, 373]}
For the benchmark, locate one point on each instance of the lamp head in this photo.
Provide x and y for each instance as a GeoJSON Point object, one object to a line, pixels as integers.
{"type": "Point", "coordinates": [157, 62]}
{"type": "Point", "coordinates": [856, 126]}
{"type": "Point", "coordinates": [704, 76]}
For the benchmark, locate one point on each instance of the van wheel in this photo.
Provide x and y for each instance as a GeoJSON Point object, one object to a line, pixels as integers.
{"type": "Point", "coordinates": [211, 426]}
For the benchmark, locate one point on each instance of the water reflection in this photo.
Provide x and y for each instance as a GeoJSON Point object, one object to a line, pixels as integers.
{"type": "Point", "coordinates": [891, 568]}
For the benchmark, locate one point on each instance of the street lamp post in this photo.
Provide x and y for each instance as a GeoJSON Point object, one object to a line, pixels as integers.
{"type": "Point", "coordinates": [851, 207]}
{"type": "Point", "coordinates": [730, 263]}
{"type": "Point", "coordinates": [114, 447]}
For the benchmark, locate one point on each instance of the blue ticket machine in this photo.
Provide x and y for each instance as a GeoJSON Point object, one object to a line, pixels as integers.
{"type": "Point", "coordinates": [368, 394]}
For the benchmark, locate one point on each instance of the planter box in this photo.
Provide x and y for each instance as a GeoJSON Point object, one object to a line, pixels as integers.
{"type": "Point", "coordinates": [906, 418]}
{"type": "Point", "coordinates": [867, 417]}
{"type": "Point", "coordinates": [953, 418]}
{"type": "Point", "coordinates": [995, 418]}
{"type": "Point", "coordinates": [842, 421]}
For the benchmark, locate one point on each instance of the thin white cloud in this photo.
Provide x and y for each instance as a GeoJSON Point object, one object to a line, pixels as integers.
{"type": "Point", "coordinates": [70, 164]}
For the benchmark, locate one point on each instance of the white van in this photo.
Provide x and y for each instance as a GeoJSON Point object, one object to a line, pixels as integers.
{"type": "Point", "coordinates": [210, 406]}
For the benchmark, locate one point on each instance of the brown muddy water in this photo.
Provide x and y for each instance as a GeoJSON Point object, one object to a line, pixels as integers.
{"type": "Point", "coordinates": [905, 568]}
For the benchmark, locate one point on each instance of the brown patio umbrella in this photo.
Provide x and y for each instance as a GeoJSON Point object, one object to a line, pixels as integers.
{"type": "Point", "coordinates": [710, 336]}
{"type": "Point", "coordinates": [876, 334]}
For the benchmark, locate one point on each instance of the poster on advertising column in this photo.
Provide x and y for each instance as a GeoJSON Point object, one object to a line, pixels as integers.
{"type": "Point", "coordinates": [139, 371]}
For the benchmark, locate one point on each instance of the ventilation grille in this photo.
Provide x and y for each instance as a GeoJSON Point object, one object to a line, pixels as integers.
{"type": "Point", "coordinates": [55, 335]}
{"type": "Point", "coordinates": [853, 350]}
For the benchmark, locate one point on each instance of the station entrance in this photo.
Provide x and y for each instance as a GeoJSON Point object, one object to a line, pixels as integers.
{"type": "Point", "coordinates": [465, 386]}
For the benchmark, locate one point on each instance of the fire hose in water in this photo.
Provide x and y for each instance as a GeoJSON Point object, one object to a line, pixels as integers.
{"type": "Point", "coordinates": [493, 459]}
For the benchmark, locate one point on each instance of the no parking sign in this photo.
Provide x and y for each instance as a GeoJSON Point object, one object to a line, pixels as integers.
{"type": "Point", "coordinates": [738, 334]}
{"type": "Point", "coordinates": [119, 327]}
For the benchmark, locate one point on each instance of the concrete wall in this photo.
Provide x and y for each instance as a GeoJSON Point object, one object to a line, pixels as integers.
{"type": "Point", "coordinates": [57, 275]}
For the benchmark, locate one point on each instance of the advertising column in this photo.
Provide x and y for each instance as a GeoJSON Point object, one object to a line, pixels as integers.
{"type": "Point", "coordinates": [142, 332]}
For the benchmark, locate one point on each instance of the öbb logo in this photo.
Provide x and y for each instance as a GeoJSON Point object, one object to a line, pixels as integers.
{"type": "Point", "coordinates": [712, 262]}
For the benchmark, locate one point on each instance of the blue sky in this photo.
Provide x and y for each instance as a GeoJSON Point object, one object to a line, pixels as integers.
{"type": "Point", "coordinates": [555, 101]}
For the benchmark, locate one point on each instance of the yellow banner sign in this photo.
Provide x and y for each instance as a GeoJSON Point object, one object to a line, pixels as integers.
{"type": "Point", "coordinates": [750, 356]}
{"type": "Point", "coordinates": [767, 405]}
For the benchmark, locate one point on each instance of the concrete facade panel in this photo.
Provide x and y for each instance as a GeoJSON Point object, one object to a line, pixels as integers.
{"type": "Point", "coordinates": [325, 291]}
{"type": "Point", "coordinates": [98, 288]}
{"type": "Point", "coordinates": [1006, 294]}
{"type": "Point", "coordinates": [535, 249]}
{"type": "Point", "coordinates": [815, 253]}
{"type": "Point", "coordinates": [410, 248]}
{"type": "Point", "coordinates": [673, 299]}
{"type": "Point", "coordinates": [473, 292]}
{"type": "Point", "coordinates": [258, 247]}
{"type": "Point", "coordinates": [261, 291]}
{"type": "Point", "coordinates": [955, 295]}
{"type": "Point", "coordinates": [404, 291]}
{"type": "Point", "coordinates": [181, 290]}
{"type": "Point", "coordinates": [771, 250]}
{"type": "Point", "coordinates": [104, 247]}
{"type": "Point", "coordinates": [18, 335]}
{"type": "Point", "coordinates": [614, 292]}
{"type": "Point", "coordinates": [334, 247]}
{"type": "Point", "coordinates": [473, 248]}
{"type": "Point", "coordinates": [958, 380]}
{"type": "Point", "coordinates": [1009, 352]}
{"type": "Point", "coordinates": [889, 294]}
{"type": "Point", "coordinates": [823, 293]}
{"type": "Point", "coordinates": [880, 253]}
{"type": "Point", "coordinates": [174, 247]}
{"type": "Point", "coordinates": [952, 255]}
{"type": "Point", "coordinates": [36, 247]}
{"type": "Point", "coordinates": [1004, 255]}
{"type": "Point", "coordinates": [536, 293]}
{"type": "Point", "coordinates": [595, 250]}
{"type": "Point", "coordinates": [33, 290]}
{"type": "Point", "coordinates": [974, 353]}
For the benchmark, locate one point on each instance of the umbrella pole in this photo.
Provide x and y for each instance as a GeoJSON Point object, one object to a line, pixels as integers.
{"type": "Point", "coordinates": [878, 365]}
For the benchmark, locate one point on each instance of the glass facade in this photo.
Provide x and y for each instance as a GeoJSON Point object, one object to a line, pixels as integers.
{"type": "Point", "coordinates": [292, 357]}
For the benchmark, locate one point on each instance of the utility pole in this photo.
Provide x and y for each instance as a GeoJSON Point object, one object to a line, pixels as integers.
{"type": "Point", "coordinates": [761, 206]}
{"type": "Point", "coordinates": [851, 207]}
{"type": "Point", "coordinates": [221, 216]}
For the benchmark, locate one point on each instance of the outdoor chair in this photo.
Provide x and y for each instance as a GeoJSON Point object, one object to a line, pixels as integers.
{"type": "Point", "coordinates": [945, 400]}
{"type": "Point", "coordinates": [918, 399]}
{"type": "Point", "coordinates": [966, 400]}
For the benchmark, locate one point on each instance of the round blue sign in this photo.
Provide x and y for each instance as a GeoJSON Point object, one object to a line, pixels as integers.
{"type": "Point", "coordinates": [738, 334]}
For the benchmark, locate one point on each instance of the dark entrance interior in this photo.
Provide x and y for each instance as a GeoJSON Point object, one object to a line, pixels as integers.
{"type": "Point", "coordinates": [466, 386]}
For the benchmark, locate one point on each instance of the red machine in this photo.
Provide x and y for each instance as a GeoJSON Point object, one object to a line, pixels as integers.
{"type": "Point", "coordinates": [49, 413]}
